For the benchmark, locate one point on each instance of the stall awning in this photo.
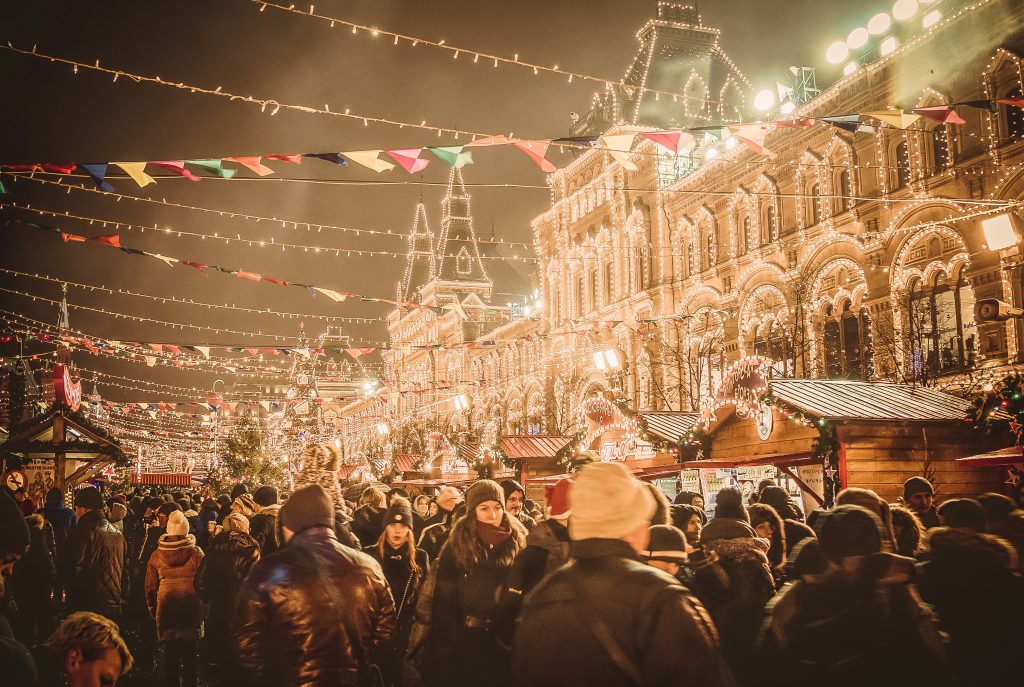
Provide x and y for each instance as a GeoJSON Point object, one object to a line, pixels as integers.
{"type": "Point", "coordinates": [1013, 455]}
{"type": "Point", "coordinates": [527, 446]}
{"type": "Point", "coordinates": [670, 426]}
{"type": "Point", "coordinates": [778, 460]}
{"type": "Point", "coordinates": [405, 461]}
{"type": "Point", "coordinates": [163, 479]}
{"type": "Point", "coordinates": [469, 451]}
{"type": "Point", "coordinates": [840, 399]}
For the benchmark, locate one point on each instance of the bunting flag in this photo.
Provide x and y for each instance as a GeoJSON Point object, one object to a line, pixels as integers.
{"type": "Point", "coordinates": [837, 119]}
{"type": "Point", "coordinates": [97, 172]}
{"type": "Point", "coordinates": [150, 360]}
{"type": "Point", "coordinates": [989, 105]}
{"type": "Point", "coordinates": [213, 166]}
{"type": "Point", "coordinates": [536, 150]}
{"type": "Point", "coordinates": [176, 166]}
{"type": "Point", "coordinates": [895, 118]}
{"type": "Point", "coordinates": [941, 113]}
{"type": "Point", "coordinates": [251, 276]}
{"type": "Point", "coordinates": [453, 156]}
{"type": "Point", "coordinates": [253, 164]}
{"type": "Point", "coordinates": [292, 158]}
{"type": "Point", "coordinates": [168, 261]}
{"type": "Point", "coordinates": [173, 349]}
{"type": "Point", "coordinates": [333, 158]}
{"type": "Point", "coordinates": [409, 159]}
{"type": "Point", "coordinates": [1017, 101]}
{"type": "Point", "coordinates": [110, 239]}
{"type": "Point", "coordinates": [354, 352]}
{"type": "Point", "coordinates": [752, 136]}
{"type": "Point", "coordinates": [492, 141]}
{"type": "Point", "coordinates": [272, 280]}
{"type": "Point", "coordinates": [71, 237]}
{"type": "Point", "coordinates": [618, 146]}
{"type": "Point", "coordinates": [304, 352]}
{"type": "Point", "coordinates": [205, 350]}
{"type": "Point", "coordinates": [197, 265]}
{"type": "Point", "coordinates": [370, 159]}
{"type": "Point", "coordinates": [333, 295]}
{"type": "Point", "coordinates": [672, 141]}
{"type": "Point", "coordinates": [137, 171]}
{"type": "Point", "coordinates": [159, 348]}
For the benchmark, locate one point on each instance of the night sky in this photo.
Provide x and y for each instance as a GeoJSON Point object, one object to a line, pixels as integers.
{"type": "Point", "coordinates": [52, 115]}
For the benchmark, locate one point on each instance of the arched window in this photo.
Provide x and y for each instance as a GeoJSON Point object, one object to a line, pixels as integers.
{"type": "Point", "coordinates": [770, 229]}
{"type": "Point", "coordinates": [594, 302]}
{"type": "Point", "coordinates": [772, 341]}
{"type": "Point", "coordinates": [847, 343]}
{"type": "Point", "coordinates": [814, 199]}
{"type": "Point", "coordinates": [843, 191]}
{"type": "Point", "coordinates": [937, 317]}
{"type": "Point", "coordinates": [580, 305]}
{"type": "Point", "coordinates": [1014, 117]}
{"type": "Point", "coordinates": [637, 268]}
{"type": "Point", "coordinates": [902, 164]}
{"type": "Point", "coordinates": [705, 257]}
{"type": "Point", "coordinates": [463, 263]}
{"type": "Point", "coordinates": [608, 267]}
{"type": "Point", "coordinates": [743, 240]}
{"type": "Point", "coordinates": [940, 148]}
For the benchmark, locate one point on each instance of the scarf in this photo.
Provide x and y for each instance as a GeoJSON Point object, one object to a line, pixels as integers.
{"type": "Point", "coordinates": [491, 535]}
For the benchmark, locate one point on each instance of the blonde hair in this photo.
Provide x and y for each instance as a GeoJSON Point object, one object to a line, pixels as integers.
{"type": "Point", "coordinates": [410, 548]}
{"type": "Point", "coordinates": [92, 634]}
{"type": "Point", "coordinates": [374, 497]}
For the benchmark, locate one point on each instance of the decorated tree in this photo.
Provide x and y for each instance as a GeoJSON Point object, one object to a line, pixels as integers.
{"type": "Point", "coordinates": [303, 415]}
{"type": "Point", "coordinates": [244, 458]}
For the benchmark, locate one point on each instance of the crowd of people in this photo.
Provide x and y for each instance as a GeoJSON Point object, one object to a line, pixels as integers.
{"type": "Point", "coordinates": [605, 583]}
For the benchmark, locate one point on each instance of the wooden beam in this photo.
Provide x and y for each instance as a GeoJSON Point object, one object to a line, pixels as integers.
{"type": "Point", "coordinates": [800, 483]}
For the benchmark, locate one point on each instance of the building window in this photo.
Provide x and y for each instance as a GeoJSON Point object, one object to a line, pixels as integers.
{"type": "Point", "coordinates": [709, 246]}
{"type": "Point", "coordinates": [940, 148]}
{"type": "Point", "coordinates": [902, 164]}
{"type": "Point", "coordinates": [1014, 117]}
{"type": "Point", "coordinates": [743, 240]}
{"type": "Point", "coordinates": [814, 200]}
{"type": "Point", "coordinates": [847, 343]}
{"type": "Point", "coordinates": [593, 289]}
{"type": "Point", "coordinates": [843, 191]}
{"type": "Point", "coordinates": [463, 263]}
{"type": "Point", "coordinates": [608, 282]}
{"type": "Point", "coordinates": [710, 363]}
{"type": "Point", "coordinates": [772, 342]}
{"type": "Point", "coordinates": [937, 314]}
{"type": "Point", "coordinates": [770, 229]}
{"type": "Point", "coordinates": [580, 305]}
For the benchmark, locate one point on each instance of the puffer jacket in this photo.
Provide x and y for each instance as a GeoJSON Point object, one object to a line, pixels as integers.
{"type": "Point", "coordinates": [860, 625]}
{"type": "Point", "coordinates": [314, 613]}
{"type": "Point", "coordinates": [94, 566]}
{"type": "Point", "coordinates": [263, 528]}
{"type": "Point", "coordinates": [229, 557]}
{"type": "Point", "coordinates": [170, 588]}
{"type": "Point", "coordinates": [605, 597]}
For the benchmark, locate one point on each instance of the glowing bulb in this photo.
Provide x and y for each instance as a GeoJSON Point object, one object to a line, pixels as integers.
{"type": "Point", "coordinates": [850, 68]}
{"type": "Point", "coordinates": [904, 9]}
{"type": "Point", "coordinates": [858, 38]}
{"type": "Point", "coordinates": [711, 154]}
{"type": "Point", "coordinates": [879, 24]}
{"type": "Point", "coordinates": [888, 45]}
{"type": "Point", "coordinates": [764, 100]}
{"type": "Point", "coordinates": [931, 19]}
{"type": "Point", "coordinates": [837, 52]}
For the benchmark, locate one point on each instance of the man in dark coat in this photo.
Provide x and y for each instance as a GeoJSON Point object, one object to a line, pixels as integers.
{"type": "Point", "coordinates": [316, 612]}
{"type": "Point", "coordinates": [94, 566]}
{"type": "Point", "coordinates": [515, 502]}
{"type": "Point", "coordinates": [605, 618]}
{"type": "Point", "coordinates": [61, 519]}
{"type": "Point", "coordinates": [435, 532]}
{"type": "Point", "coordinates": [263, 525]}
{"type": "Point", "coordinates": [919, 495]}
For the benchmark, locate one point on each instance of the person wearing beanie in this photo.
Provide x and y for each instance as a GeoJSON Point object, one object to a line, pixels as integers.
{"type": "Point", "coordinates": [869, 499]}
{"type": "Point", "coordinates": [919, 496]}
{"type": "Point", "coordinates": [315, 612]}
{"type": "Point", "coordinates": [456, 615]}
{"type": "Point", "coordinates": [238, 490]}
{"type": "Point", "coordinates": [515, 502]}
{"type": "Point", "coordinates": [779, 499]}
{"type": "Point", "coordinates": [223, 506]}
{"type": "Point", "coordinates": [263, 525]}
{"type": "Point", "coordinates": [367, 519]}
{"type": "Point", "coordinates": [729, 504]}
{"type": "Point", "coordinates": [230, 555]}
{"type": "Point", "coordinates": [963, 513]}
{"type": "Point", "coordinates": [172, 599]}
{"type": "Point", "coordinates": [93, 569]}
{"type": "Point", "coordinates": [438, 527]}
{"type": "Point", "coordinates": [116, 514]}
{"type": "Point", "coordinates": [662, 514]}
{"type": "Point", "coordinates": [405, 568]}
{"type": "Point", "coordinates": [62, 519]}
{"type": "Point", "coordinates": [208, 517]}
{"type": "Point", "coordinates": [666, 549]}
{"type": "Point", "coordinates": [862, 606]}
{"type": "Point", "coordinates": [606, 617]}
{"type": "Point", "coordinates": [320, 464]}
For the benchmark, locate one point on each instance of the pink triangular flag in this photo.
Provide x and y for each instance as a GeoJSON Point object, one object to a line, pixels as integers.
{"type": "Point", "coordinates": [537, 150]}
{"type": "Point", "coordinates": [176, 166]}
{"type": "Point", "coordinates": [941, 113]}
{"type": "Point", "coordinates": [409, 159]}
{"type": "Point", "coordinates": [670, 140]}
{"type": "Point", "coordinates": [253, 164]}
{"type": "Point", "coordinates": [294, 159]}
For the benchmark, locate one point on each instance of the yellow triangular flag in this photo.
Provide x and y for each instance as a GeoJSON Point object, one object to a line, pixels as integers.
{"type": "Point", "coordinates": [896, 118]}
{"type": "Point", "coordinates": [618, 147]}
{"type": "Point", "coordinates": [369, 158]}
{"type": "Point", "coordinates": [137, 171]}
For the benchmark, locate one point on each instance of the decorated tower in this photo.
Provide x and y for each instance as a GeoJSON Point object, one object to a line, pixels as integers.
{"type": "Point", "coordinates": [303, 415]}
{"type": "Point", "coordinates": [421, 263]}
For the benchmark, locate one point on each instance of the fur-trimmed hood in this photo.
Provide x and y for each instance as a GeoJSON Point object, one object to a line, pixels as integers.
{"type": "Point", "coordinates": [958, 544]}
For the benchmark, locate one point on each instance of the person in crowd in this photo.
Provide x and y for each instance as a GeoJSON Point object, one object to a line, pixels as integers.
{"type": "Point", "coordinates": [263, 525]}
{"type": "Point", "coordinates": [919, 496]}
{"type": "Point", "coordinates": [779, 499]}
{"type": "Point", "coordinates": [969, 578]}
{"type": "Point", "coordinates": [405, 567]}
{"type": "Point", "coordinates": [320, 464]}
{"type": "Point", "coordinates": [690, 520]}
{"type": "Point", "coordinates": [962, 513]}
{"type": "Point", "coordinates": [515, 503]}
{"type": "Point", "coordinates": [19, 669]}
{"type": "Point", "coordinates": [666, 549]}
{"type": "Point", "coordinates": [86, 650]}
{"type": "Point", "coordinates": [420, 513]}
{"type": "Point", "coordinates": [116, 512]}
{"type": "Point", "coordinates": [435, 532]}
{"type": "Point", "coordinates": [239, 489]}
{"type": "Point", "coordinates": [547, 549]}
{"type": "Point", "coordinates": [191, 514]}
{"type": "Point", "coordinates": [95, 563]}
{"type": "Point", "coordinates": [867, 498]}
{"type": "Point", "coordinates": [907, 531]}
{"type": "Point", "coordinates": [173, 602]}
{"type": "Point", "coordinates": [208, 516]}
{"type": "Point", "coordinates": [768, 525]}
{"type": "Point", "coordinates": [32, 583]}
{"type": "Point", "coordinates": [317, 612]}
{"type": "Point", "coordinates": [26, 504]}
{"type": "Point", "coordinates": [14, 542]}
{"type": "Point", "coordinates": [396, 493]}
{"type": "Point", "coordinates": [368, 517]}
{"type": "Point", "coordinates": [137, 603]}
{"type": "Point", "coordinates": [857, 621]}
{"type": "Point", "coordinates": [690, 498]}
{"type": "Point", "coordinates": [1004, 519]}
{"type": "Point", "coordinates": [244, 505]}
{"type": "Point", "coordinates": [453, 639]}
{"type": "Point", "coordinates": [605, 618]}
{"type": "Point", "coordinates": [432, 508]}
{"type": "Point", "coordinates": [223, 506]}
{"type": "Point", "coordinates": [662, 507]}
{"type": "Point", "coordinates": [229, 557]}
{"type": "Point", "coordinates": [62, 520]}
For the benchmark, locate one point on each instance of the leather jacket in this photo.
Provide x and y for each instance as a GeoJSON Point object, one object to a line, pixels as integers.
{"type": "Point", "coordinates": [618, 622]}
{"type": "Point", "coordinates": [94, 566]}
{"type": "Point", "coordinates": [314, 613]}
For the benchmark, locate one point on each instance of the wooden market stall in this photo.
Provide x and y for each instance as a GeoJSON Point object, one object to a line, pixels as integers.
{"type": "Point", "coordinates": [825, 435]}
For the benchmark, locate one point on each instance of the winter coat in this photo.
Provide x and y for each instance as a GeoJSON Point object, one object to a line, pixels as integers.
{"type": "Point", "coordinates": [606, 603]}
{"type": "Point", "coordinates": [35, 573]}
{"type": "Point", "coordinates": [170, 588]}
{"type": "Point", "coordinates": [263, 528]}
{"type": "Point", "coordinates": [367, 524]}
{"type": "Point", "coordinates": [866, 626]}
{"type": "Point", "coordinates": [547, 549]}
{"type": "Point", "coordinates": [795, 532]}
{"type": "Point", "coordinates": [435, 533]}
{"type": "Point", "coordinates": [207, 516]}
{"type": "Point", "coordinates": [314, 613]}
{"type": "Point", "coordinates": [405, 586]}
{"type": "Point", "coordinates": [63, 520]}
{"type": "Point", "coordinates": [94, 566]}
{"type": "Point", "coordinates": [929, 519]}
{"type": "Point", "coordinates": [453, 636]}
{"type": "Point", "coordinates": [229, 557]}
{"type": "Point", "coordinates": [979, 601]}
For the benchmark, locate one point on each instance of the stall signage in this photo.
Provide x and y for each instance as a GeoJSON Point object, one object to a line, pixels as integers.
{"type": "Point", "coordinates": [65, 390]}
{"type": "Point", "coordinates": [15, 479]}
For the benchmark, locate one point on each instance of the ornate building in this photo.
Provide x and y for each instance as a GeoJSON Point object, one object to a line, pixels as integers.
{"type": "Point", "coordinates": [853, 249]}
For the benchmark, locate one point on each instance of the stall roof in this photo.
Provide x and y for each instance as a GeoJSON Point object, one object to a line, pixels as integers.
{"type": "Point", "coordinates": [836, 399]}
{"type": "Point", "coordinates": [83, 440]}
{"type": "Point", "coordinates": [1012, 455]}
{"type": "Point", "coordinates": [526, 446]}
{"type": "Point", "coordinates": [405, 461]}
{"type": "Point", "coordinates": [469, 451]}
{"type": "Point", "coordinates": [173, 479]}
{"type": "Point", "coordinates": [778, 460]}
{"type": "Point", "coordinates": [670, 425]}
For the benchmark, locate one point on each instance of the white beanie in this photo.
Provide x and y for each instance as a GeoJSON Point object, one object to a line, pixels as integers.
{"type": "Point", "coordinates": [177, 525]}
{"type": "Point", "coordinates": [608, 502]}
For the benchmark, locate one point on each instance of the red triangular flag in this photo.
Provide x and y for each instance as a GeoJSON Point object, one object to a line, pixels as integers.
{"type": "Point", "coordinates": [251, 276]}
{"type": "Point", "coordinates": [409, 159]}
{"type": "Point", "coordinates": [1016, 102]}
{"type": "Point", "coordinates": [294, 159]}
{"type": "Point", "coordinates": [110, 239]}
{"type": "Point", "coordinates": [354, 352]}
{"type": "Point", "coordinates": [275, 281]}
{"type": "Point", "coordinates": [71, 237]}
{"type": "Point", "coordinates": [941, 113]}
{"type": "Point", "coordinates": [159, 348]}
{"type": "Point", "coordinates": [252, 163]}
{"type": "Point", "coordinates": [176, 166]}
{"type": "Point", "coordinates": [198, 265]}
{"type": "Point", "coordinates": [537, 150]}
{"type": "Point", "coordinates": [670, 140]}
{"type": "Point", "coordinates": [173, 349]}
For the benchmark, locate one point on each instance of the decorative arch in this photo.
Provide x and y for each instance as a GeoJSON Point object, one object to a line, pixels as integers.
{"type": "Point", "coordinates": [809, 184]}
{"type": "Point", "coordinates": [769, 212]}
{"type": "Point", "coordinates": [707, 234]}
{"type": "Point", "coordinates": [742, 217]}
{"type": "Point", "coordinates": [695, 96]}
{"type": "Point", "coordinates": [840, 176]}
